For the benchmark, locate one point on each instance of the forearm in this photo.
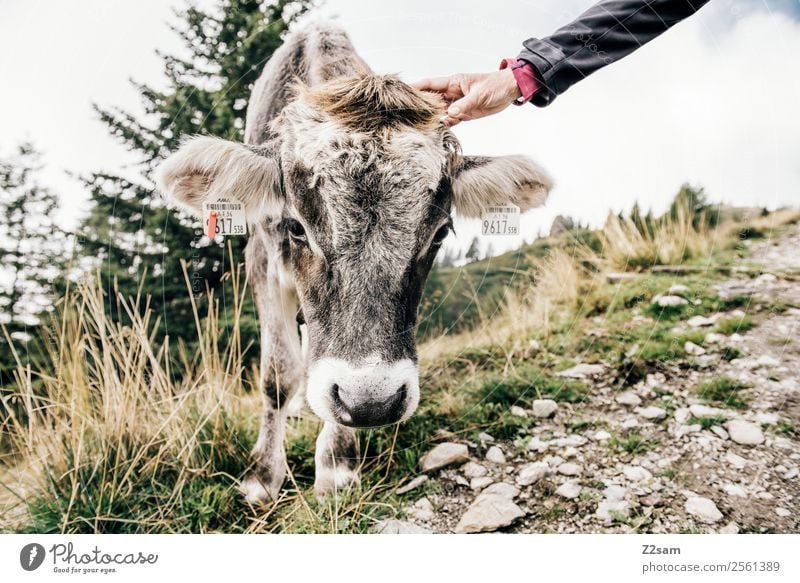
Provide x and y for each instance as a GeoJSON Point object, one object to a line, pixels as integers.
{"type": "Point", "coordinates": [605, 33]}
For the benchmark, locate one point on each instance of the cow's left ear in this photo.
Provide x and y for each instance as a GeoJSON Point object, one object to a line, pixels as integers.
{"type": "Point", "coordinates": [489, 181]}
{"type": "Point", "coordinates": [205, 168]}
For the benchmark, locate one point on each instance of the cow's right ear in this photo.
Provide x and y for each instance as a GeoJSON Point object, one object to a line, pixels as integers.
{"type": "Point", "coordinates": [205, 168]}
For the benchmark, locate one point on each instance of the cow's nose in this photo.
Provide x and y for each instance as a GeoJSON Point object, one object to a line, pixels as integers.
{"type": "Point", "coordinates": [357, 409]}
{"type": "Point", "coordinates": [368, 393]}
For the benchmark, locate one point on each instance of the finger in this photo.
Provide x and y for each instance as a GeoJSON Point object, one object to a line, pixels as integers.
{"type": "Point", "coordinates": [436, 84]}
{"type": "Point", "coordinates": [465, 107]}
{"type": "Point", "coordinates": [450, 121]}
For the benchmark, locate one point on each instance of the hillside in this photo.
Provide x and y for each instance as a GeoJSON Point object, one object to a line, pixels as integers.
{"type": "Point", "coordinates": [642, 377]}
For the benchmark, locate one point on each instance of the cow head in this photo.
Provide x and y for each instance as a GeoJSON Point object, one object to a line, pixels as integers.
{"type": "Point", "coordinates": [361, 178]}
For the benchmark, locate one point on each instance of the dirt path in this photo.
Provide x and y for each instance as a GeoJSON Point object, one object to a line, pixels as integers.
{"type": "Point", "coordinates": [656, 458]}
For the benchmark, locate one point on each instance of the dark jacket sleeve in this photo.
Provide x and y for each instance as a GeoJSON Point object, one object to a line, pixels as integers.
{"type": "Point", "coordinates": [605, 33]}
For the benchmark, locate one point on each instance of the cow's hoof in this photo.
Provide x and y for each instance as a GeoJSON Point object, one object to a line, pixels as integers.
{"type": "Point", "coordinates": [257, 492]}
{"type": "Point", "coordinates": [331, 481]}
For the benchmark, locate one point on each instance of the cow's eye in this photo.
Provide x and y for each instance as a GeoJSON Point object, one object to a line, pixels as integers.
{"type": "Point", "coordinates": [295, 230]}
{"type": "Point", "coordinates": [441, 235]}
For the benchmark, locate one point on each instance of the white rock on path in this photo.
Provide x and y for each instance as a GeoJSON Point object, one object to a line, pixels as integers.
{"type": "Point", "coordinates": [744, 432]}
{"type": "Point", "coordinates": [736, 461]}
{"type": "Point", "coordinates": [704, 411]}
{"type": "Point", "coordinates": [444, 455]}
{"type": "Point", "coordinates": [532, 473]}
{"type": "Point", "coordinates": [393, 526]}
{"type": "Point", "coordinates": [415, 483]}
{"type": "Point", "coordinates": [601, 435]}
{"type": "Point", "coordinates": [783, 512]}
{"type": "Point", "coordinates": [693, 349]}
{"type": "Point", "coordinates": [518, 411]}
{"type": "Point", "coordinates": [678, 289]}
{"type": "Point", "coordinates": [628, 399]}
{"type": "Point", "coordinates": [652, 413]}
{"type": "Point", "coordinates": [569, 490]}
{"type": "Point", "coordinates": [700, 321]}
{"type": "Point", "coordinates": [636, 473]}
{"type": "Point", "coordinates": [495, 455]}
{"type": "Point", "coordinates": [544, 408]}
{"type": "Point", "coordinates": [730, 528]}
{"type": "Point", "coordinates": [480, 483]}
{"type": "Point", "coordinates": [492, 509]}
{"type": "Point", "coordinates": [734, 490]}
{"type": "Point", "coordinates": [422, 510]}
{"type": "Point", "coordinates": [473, 470]}
{"type": "Point", "coordinates": [569, 469]}
{"type": "Point", "coordinates": [719, 432]}
{"type": "Point", "coordinates": [582, 371]}
{"type": "Point", "coordinates": [669, 301]}
{"type": "Point", "coordinates": [608, 510]}
{"type": "Point", "coordinates": [704, 509]}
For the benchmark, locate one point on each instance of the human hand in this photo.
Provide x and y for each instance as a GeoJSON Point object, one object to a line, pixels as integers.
{"type": "Point", "coordinates": [473, 95]}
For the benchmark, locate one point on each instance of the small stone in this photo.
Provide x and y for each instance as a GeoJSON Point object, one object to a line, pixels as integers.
{"type": "Point", "coordinates": [573, 440]}
{"type": "Point", "coordinates": [601, 435]}
{"type": "Point", "coordinates": [536, 444]}
{"type": "Point", "coordinates": [569, 469]}
{"type": "Point", "coordinates": [532, 473]}
{"type": "Point", "coordinates": [636, 473]}
{"type": "Point", "coordinates": [704, 411]}
{"type": "Point", "coordinates": [492, 509]}
{"type": "Point", "coordinates": [669, 301]}
{"type": "Point", "coordinates": [608, 510]}
{"type": "Point", "coordinates": [704, 509]}
{"type": "Point", "coordinates": [678, 289]}
{"type": "Point", "coordinates": [736, 461]}
{"type": "Point", "coordinates": [730, 528]}
{"type": "Point", "coordinates": [485, 438]}
{"type": "Point", "coordinates": [700, 321]}
{"type": "Point", "coordinates": [630, 423]}
{"type": "Point", "coordinates": [444, 455]}
{"type": "Point", "coordinates": [768, 361]}
{"type": "Point", "coordinates": [783, 512]}
{"type": "Point", "coordinates": [570, 452]}
{"type": "Point", "coordinates": [735, 490]}
{"type": "Point", "coordinates": [719, 432]}
{"type": "Point", "coordinates": [544, 408]}
{"type": "Point", "coordinates": [628, 399]}
{"type": "Point", "coordinates": [582, 371]}
{"type": "Point", "coordinates": [534, 346]}
{"type": "Point", "coordinates": [518, 411]}
{"type": "Point", "coordinates": [682, 415]}
{"type": "Point", "coordinates": [615, 493]}
{"type": "Point", "coordinates": [744, 432]}
{"type": "Point", "coordinates": [652, 413]}
{"type": "Point", "coordinates": [473, 470]}
{"type": "Point", "coordinates": [765, 278]}
{"type": "Point", "coordinates": [687, 429]}
{"type": "Point", "coordinates": [767, 418]}
{"type": "Point", "coordinates": [480, 483]}
{"type": "Point", "coordinates": [714, 338]}
{"type": "Point", "coordinates": [791, 473]}
{"type": "Point", "coordinates": [415, 483]}
{"type": "Point", "coordinates": [693, 349]}
{"type": "Point", "coordinates": [495, 455]}
{"type": "Point", "coordinates": [569, 490]}
{"type": "Point", "coordinates": [394, 526]}
{"type": "Point", "coordinates": [422, 510]}
{"type": "Point", "coordinates": [502, 489]}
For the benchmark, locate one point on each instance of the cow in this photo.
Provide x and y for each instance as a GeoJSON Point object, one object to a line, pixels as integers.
{"type": "Point", "coordinates": [348, 180]}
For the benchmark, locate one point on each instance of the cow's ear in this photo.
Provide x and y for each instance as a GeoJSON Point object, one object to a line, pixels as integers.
{"type": "Point", "coordinates": [483, 181]}
{"type": "Point", "coordinates": [205, 168]}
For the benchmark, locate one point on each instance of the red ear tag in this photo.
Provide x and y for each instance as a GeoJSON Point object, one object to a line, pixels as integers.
{"type": "Point", "coordinates": [212, 225]}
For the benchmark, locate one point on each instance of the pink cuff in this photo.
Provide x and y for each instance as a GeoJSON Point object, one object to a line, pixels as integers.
{"type": "Point", "coordinates": [526, 78]}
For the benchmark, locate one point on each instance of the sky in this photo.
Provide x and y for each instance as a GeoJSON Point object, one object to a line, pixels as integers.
{"type": "Point", "coordinates": [712, 102]}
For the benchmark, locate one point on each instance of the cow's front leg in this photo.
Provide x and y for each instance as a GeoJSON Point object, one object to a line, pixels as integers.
{"type": "Point", "coordinates": [336, 460]}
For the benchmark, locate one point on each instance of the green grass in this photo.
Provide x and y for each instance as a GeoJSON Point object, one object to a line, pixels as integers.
{"type": "Point", "coordinates": [633, 443]}
{"type": "Point", "coordinates": [706, 422]}
{"type": "Point", "coordinates": [723, 391]}
{"type": "Point", "coordinates": [733, 325]}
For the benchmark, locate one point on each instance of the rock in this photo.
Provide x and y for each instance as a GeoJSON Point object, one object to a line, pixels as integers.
{"type": "Point", "coordinates": [700, 321]}
{"type": "Point", "coordinates": [768, 361]}
{"type": "Point", "coordinates": [767, 418]}
{"type": "Point", "coordinates": [473, 470]}
{"type": "Point", "coordinates": [608, 510]}
{"type": "Point", "coordinates": [444, 455]}
{"type": "Point", "coordinates": [765, 278]}
{"type": "Point", "coordinates": [682, 415]}
{"type": "Point", "coordinates": [569, 441]}
{"type": "Point", "coordinates": [678, 289]}
{"type": "Point", "coordinates": [532, 473]}
{"type": "Point", "coordinates": [518, 411]}
{"type": "Point", "coordinates": [693, 349]}
{"type": "Point", "coordinates": [744, 432]}
{"type": "Point", "coordinates": [628, 399]}
{"type": "Point", "coordinates": [714, 338]}
{"type": "Point", "coordinates": [704, 509]}
{"type": "Point", "coordinates": [736, 461]}
{"type": "Point", "coordinates": [719, 432]}
{"type": "Point", "coordinates": [652, 413]}
{"type": "Point", "coordinates": [734, 490]}
{"type": "Point", "coordinates": [480, 483]}
{"type": "Point", "coordinates": [783, 512]}
{"type": "Point", "coordinates": [422, 510]}
{"type": "Point", "coordinates": [601, 435]}
{"type": "Point", "coordinates": [485, 438]}
{"type": "Point", "coordinates": [415, 483]}
{"type": "Point", "coordinates": [569, 469]}
{"type": "Point", "coordinates": [730, 528]}
{"type": "Point", "coordinates": [569, 490]}
{"type": "Point", "coordinates": [393, 526]}
{"type": "Point", "coordinates": [617, 277]}
{"type": "Point", "coordinates": [636, 473]}
{"type": "Point", "coordinates": [791, 473]}
{"type": "Point", "coordinates": [687, 429]}
{"type": "Point", "coordinates": [536, 444]}
{"type": "Point", "coordinates": [669, 301]}
{"type": "Point", "coordinates": [495, 455]}
{"type": "Point", "coordinates": [630, 423]}
{"type": "Point", "coordinates": [544, 408]}
{"type": "Point", "coordinates": [704, 411]}
{"type": "Point", "coordinates": [582, 371]}
{"type": "Point", "coordinates": [615, 493]}
{"type": "Point", "coordinates": [492, 509]}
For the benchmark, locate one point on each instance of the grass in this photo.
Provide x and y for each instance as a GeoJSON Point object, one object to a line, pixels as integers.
{"type": "Point", "coordinates": [723, 391]}
{"type": "Point", "coordinates": [734, 325]}
{"type": "Point", "coordinates": [706, 422]}
{"type": "Point", "coordinates": [111, 435]}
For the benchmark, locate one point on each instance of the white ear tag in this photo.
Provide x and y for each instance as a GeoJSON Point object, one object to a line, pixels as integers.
{"type": "Point", "coordinates": [500, 220]}
{"type": "Point", "coordinates": [224, 216]}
